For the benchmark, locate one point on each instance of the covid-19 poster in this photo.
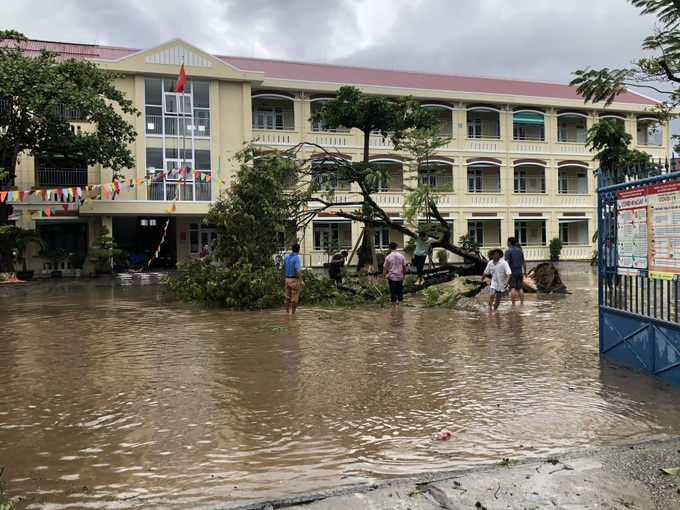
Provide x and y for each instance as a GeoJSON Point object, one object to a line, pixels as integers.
{"type": "Point", "coordinates": [631, 229]}
{"type": "Point", "coordinates": [648, 230]}
{"type": "Point", "coordinates": [663, 201]}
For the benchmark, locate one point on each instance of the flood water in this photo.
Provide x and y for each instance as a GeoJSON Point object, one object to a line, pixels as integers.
{"type": "Point", "coordinates": [118, 397]}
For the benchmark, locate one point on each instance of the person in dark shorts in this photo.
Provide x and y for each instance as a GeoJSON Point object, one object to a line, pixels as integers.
{"type": "Point", "coordinates": [423, 246]}
{"type": "Point", "coordinates": [515, 259]}
{"type": "Point", "coordinates": [336, 265]}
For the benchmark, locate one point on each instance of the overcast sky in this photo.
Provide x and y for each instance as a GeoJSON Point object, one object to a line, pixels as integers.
{"type": "Point", "coordinates": [523, 39]}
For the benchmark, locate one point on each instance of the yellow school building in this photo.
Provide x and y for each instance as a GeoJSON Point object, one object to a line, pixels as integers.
{"type": "Point", "coordinates": [516, 161]}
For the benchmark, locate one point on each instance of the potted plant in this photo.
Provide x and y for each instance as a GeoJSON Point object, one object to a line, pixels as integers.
{"type": "Point", "coordinates": [555, 248]}
{"type": "Point", "coordinates": [442, 256]}
{"type": "Point", "coordinates": [23, 237]}
{"type": "Point", "coordinates": [55, 256]}
{"type": "Point", "coordinates": [77, 259]}
{"type": "Point", "coordinates": [104, 251]}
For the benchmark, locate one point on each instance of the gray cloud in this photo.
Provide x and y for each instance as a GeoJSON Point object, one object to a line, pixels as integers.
{"type": "Point", "coordinates": [524, 39]}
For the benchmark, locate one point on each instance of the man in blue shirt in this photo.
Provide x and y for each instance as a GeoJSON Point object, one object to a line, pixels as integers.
{"type": "Point", "coordinates": [518, 266]}
{"type": "Point", "coordinates": [291, 276]}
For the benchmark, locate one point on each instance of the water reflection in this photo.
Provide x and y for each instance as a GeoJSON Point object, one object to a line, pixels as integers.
{"type": "Point", "coordinates": [118, 394]}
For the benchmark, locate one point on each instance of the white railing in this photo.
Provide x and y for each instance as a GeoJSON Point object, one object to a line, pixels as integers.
{"type": "Point", "coordinates": [535, 253]}
{"type": "Point", "coordinates": [272, 138]}
{"type": "Point", "coordinates": [580, 253]}
{"type": "Point", "coordinates": [331, 141]}
{"type": "Point", "coordinates": [527, 147]}
{"type": "Point", "coordinates": [530, 201]}
{"type": "Point", "coordinates": [574, 202]}
{"type": "Point", "coordinates": [386, 199]}
{"type": "Point", "coordinates": [482, 146]}
{"type": "Point", "coordinates": [573, 149]}
{"type": "Point", "coordinates": [484, 201]}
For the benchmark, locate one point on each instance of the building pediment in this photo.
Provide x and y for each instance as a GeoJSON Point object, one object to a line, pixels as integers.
{"type": "Point", "coordinates": [168, 57]}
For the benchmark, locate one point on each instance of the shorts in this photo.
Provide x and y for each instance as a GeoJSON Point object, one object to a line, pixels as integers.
{"type": "Point", "coordinates": [516, 282]}
{"type": "Point", "coordinates": [493, 292]}
{"type": "Point", "coordinates": [292, 290]}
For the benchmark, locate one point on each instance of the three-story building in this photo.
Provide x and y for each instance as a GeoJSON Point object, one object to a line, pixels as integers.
{"type": "Point", "coordinates": [516, 162]}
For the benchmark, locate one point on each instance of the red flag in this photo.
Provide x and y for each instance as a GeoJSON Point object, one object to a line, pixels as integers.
{"type": "Point", "coordinates": [181, 80]}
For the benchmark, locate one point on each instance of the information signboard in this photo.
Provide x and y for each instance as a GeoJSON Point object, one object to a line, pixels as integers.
{"type": "Point", "coordinates": [663, 201]}
{"type": "Point", "coordinates": [631, 235]}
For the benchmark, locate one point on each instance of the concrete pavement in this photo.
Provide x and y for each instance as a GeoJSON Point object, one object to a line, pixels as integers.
{"type": "Point", "coordinates": [627, 477]}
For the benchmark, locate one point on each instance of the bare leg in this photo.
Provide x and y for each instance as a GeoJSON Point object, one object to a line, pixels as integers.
{"type": "Point", "coordinates": [521, 296]}
{"type": "Point", "coordinates": [513, 296]}
{"type": "Point", "coordinates": [490, 300]}
{"type": "Point", "coordinates": [287, 303]}
{"type": "Point", "coordinates": [497, 302]}
{"type": "Point", "coordinates": [294, 307]}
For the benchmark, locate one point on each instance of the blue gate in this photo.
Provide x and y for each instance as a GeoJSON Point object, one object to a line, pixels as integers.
{"type": "Point", "coordinates": [638, 308]}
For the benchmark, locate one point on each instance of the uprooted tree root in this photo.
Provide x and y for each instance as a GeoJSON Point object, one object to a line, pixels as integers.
{"type": "Point", "coordinates": [544, 278]}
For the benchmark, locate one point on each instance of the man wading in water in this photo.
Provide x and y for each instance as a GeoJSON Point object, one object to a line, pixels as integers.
{"type": "Point", "coordinates": [291, 276]}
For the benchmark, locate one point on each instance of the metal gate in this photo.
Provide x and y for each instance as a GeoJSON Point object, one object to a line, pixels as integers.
{"type": "Point", "coordinates": [638, 308]}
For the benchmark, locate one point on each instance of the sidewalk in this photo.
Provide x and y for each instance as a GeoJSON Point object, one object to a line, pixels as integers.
{"type": "Point", "coordinates": [627, 477]}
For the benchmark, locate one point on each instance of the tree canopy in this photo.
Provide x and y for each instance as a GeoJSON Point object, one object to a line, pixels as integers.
{"type": "Point", "coordinates": [412, 129]}
{"type": "Point", "coordinates": [663, 67]}
{"type": "Point", "coordinates": [614, 155]}
{"type": "Point", "coordinates": [40, 97]}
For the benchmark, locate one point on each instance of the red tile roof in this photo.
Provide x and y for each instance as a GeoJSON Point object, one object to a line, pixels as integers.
{"type": "Point", "coordinates": [77, 51]}
{"type": "Point", "coordinates": [350, 75]}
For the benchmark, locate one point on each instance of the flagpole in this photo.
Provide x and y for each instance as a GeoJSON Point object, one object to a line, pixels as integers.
{"type": "Point", "coordinates": [184, 138]}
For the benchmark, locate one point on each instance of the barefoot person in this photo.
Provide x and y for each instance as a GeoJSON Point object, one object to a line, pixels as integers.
{"type": "Point", "coordinates": [291, 275]}
{"type": "Point", "coordinates": [423, 245]}
{"type": "Point", "coordinates": [499, 271]}
{"type": "Point", "coordinates": [518, 266]}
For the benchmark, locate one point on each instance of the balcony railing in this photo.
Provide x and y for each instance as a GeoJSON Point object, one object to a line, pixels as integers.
{"type": "Point", "coordinates": [484, 184]}
{"type": "Point", "coordinates": [490, 129]}
{"type": "Point", "coordinates": [64, 177]}
{"type": "Point", "coordinates": [573, 185]}
{"type": "Point", "coordinates": [436, 180]}
{"type": "Point", "coordinates": [190, 191]}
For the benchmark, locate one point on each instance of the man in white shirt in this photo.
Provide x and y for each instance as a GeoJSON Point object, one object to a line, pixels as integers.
{"type": "Point", "coordinates": [499, 271]}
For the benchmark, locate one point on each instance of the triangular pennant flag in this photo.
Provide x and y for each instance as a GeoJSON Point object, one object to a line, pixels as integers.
{"type": "Point", "coordinates": [46, 211]}
{"type": "Point", "coordinates": [65, 206]}
{"type": "Point", "coordinates": [3, 196]}
{"type": "Point", "coordinates": [27, 215]}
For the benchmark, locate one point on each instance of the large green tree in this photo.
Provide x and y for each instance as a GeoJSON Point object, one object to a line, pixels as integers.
{"type": "Point", "coordinates": [243, 271]}
{"type": "Point", "coordinates": [663, 67]}
{"type": "Point", "coordinates": [35, 91]}
{"type": "Point", "coordinates": [409, 127]}
{"type": "Point", "coordinates": [613, 153]}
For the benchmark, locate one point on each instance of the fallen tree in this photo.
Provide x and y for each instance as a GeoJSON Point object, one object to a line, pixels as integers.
{"type": "Point", "coordinates": [544, 278]}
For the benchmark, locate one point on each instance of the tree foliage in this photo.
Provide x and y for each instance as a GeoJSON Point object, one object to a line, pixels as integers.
{"type": "Point", "coordinates": [249, 217]}
{"type": "Point", "coordinates": [35, 94]}
{"type": "Point", "coordinates": [614, 155]}
{"type": "Point", "coordinates": [373, 113]}
{"type": "Point", "coordinates": [606, 84]}
{"type": "Point", "coordinates": [250, 214]}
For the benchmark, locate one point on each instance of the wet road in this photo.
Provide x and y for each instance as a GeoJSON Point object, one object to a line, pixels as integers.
{"type": "Point", "coordinates": [118, 397]}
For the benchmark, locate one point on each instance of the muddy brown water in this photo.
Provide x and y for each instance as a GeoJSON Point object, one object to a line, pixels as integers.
{"type": "Point", "coordinates": [118, 397]}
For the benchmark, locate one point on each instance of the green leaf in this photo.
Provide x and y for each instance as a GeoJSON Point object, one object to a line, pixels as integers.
{"type": "Point", "coordinates": [671, 471]}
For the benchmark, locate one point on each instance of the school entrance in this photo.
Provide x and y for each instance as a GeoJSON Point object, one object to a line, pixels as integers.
{"type": "Point", "coordinates": [639, 266]}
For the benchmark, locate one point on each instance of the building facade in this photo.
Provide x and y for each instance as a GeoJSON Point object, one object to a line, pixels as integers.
{"type": "Point", "coordinates": [516, 162]}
